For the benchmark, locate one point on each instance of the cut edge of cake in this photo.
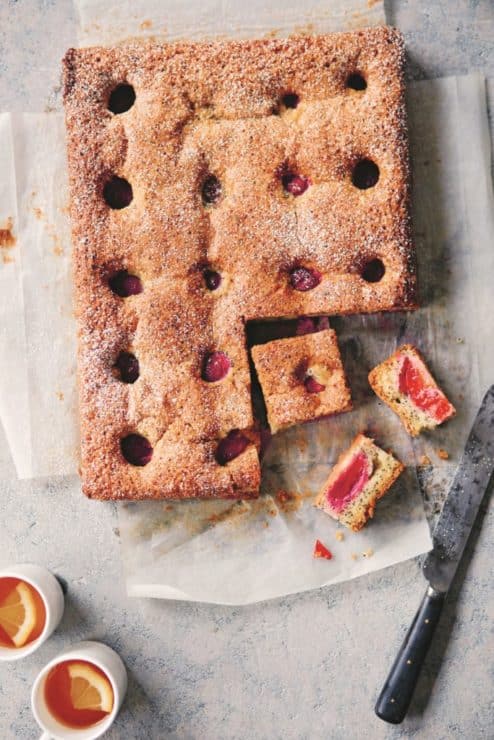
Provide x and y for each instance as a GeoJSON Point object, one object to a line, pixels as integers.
{"type": "Point", "coordinates": [406, 370]}
{"type": "Point", "coordinates": [368, 472]}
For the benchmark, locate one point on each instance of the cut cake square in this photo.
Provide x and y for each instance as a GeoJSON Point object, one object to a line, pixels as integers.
{"type": "Point", "coordinates": [212, 184]}
{"type": "Point", "coordinates": [302, 378]}
{"type": "Point", "coordinates": [361, 476]}
{"type": "Point", "coordinates": [405, 384]}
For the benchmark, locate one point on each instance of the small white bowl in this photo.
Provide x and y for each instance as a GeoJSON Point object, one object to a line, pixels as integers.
{"type": "Point", "coordinates": [50, 591]}
{"type": "Point", "coordinates": [104, 658]}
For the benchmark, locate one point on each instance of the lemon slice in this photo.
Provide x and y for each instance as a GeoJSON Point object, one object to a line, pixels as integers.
{"type": "Point", "coordinates": [89, 689]}
{"type": "Point", "coordinates": [18, 614]}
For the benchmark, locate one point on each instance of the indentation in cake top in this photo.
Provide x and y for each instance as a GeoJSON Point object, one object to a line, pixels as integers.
{"type": "Point", "coordinates": [212, 279]}
{"type": "Point", "coordinates": [312, 385]}
{"type": "Point", "coordinates": [231, 447]}
{"type": "Point", "coordinates": [304, 278]}
{"type": "Point", "coordinates": [314, 375]}
{"type": "Point", "coordinates": [123, 284]}
{"type": "Point", "coordinates": [295, 184]}
{"type": "Point", "coordinates": [117, 192]}
{"type": "Point", "coordinates": [351, 481]}
{"type": "Point", "coordinates": [290, 100]}
{"type": "Point", "coordinates": [365, 174]}
{"type": "Point", "coordinates": [356, 81]}
{"type": "Point", "coordinates": [121, 99]}
{"type": "Point", "coordinates": [136, 449]}
{"type": "Point", "coordinates": [216, 367]}
{"type": "Point", "coordinates": [127, 366]}
{"type": "Point", "coordinates": [318, 376]}
{"type": "Point", "coordinates": [373, 270]}
{"type": "Point", "coordinates": [211, 190]}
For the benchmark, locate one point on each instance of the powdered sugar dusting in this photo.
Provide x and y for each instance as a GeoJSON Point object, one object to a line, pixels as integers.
{"type": "Point", "coordinates": [213, 110]}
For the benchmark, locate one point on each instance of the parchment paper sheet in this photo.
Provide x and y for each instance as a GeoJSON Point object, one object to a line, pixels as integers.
{"type": "Point", "coordinates": [246, 552]}
{"type": "Point", "coordinates": [37, 344]}
{"type": "Point", "coordinates": [104, 23]}
{"type": "Point", "coordinates": [14, 406]}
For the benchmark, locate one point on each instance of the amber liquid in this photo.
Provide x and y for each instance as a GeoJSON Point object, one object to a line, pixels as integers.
{"type": "Point", "coordinates": [7, 585]}
{"type": "Point", "coordinates": [58, 700]}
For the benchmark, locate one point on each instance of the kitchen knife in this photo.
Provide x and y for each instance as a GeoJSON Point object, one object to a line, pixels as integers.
{"type": "Point", "coordinates": [449, 539]}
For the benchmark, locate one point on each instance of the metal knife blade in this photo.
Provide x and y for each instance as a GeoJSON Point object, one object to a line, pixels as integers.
{"type": "Point", "coordinates": [462, 504]}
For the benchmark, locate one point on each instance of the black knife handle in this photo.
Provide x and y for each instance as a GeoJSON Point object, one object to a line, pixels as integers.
{"type": "Point", "coordinates": [397, 692]}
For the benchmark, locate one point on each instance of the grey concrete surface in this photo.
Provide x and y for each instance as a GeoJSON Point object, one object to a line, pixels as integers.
{"type": "Point", "coordinates": [308, 666]}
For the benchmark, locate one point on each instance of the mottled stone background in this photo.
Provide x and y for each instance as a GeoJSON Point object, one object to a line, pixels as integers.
{"type": "Point", "coordinates": [308, 666]}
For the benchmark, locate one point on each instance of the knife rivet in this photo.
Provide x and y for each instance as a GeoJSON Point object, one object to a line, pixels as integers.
{"type": "Point", "coordinates": [392, 701]}
{"type": "Point", "coordinates": [427, 621]}
{"type": "Point", "coordinates": [409, 662]}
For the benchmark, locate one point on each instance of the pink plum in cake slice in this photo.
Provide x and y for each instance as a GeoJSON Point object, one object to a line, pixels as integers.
{"type": "Point", "coordinates": [405, 384]}
{"type": "Point", "coordinates": [361, 476]}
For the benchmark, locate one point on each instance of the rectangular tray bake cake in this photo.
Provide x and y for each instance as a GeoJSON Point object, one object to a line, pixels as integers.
{"type": "Point", "coordinates": [214, 184]}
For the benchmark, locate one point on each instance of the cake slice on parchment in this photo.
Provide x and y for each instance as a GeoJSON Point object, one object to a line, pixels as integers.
{"type": "Point", "coordinates": [405, 384]}
{"type": "Point", "coordinates": [361, 476]}
{"type": "Point", "coordinates": [302, 378]}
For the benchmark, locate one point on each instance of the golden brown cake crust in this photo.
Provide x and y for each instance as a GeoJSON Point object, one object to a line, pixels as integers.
{"type": "Point", "coordinates": [285, 368]}
{"type": "Point", "coordinates": [215, 108]}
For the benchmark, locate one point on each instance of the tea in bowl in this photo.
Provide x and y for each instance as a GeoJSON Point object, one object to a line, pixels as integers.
{"type": "Point", "coordinates": [79, 693]}
{"type": "Point", "coordinates": [31, 607]}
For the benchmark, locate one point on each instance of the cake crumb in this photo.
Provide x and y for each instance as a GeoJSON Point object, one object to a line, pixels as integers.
{"type": "Point", "coordinates": [60, 395]}
{"type": "Point", "coordinates": [368, 553]}
{"type": "Point", "coordinates": [265, 525]}
{"type": "Point", "coordinates": [273, 33]}
{"type": "Point", "coordinates": [424, 461]}
{"type": "Point", "coordinates": [354, 556]}
{"type": "Point", "coordinates": [443, 454]}
{"type": "Point", "coordinates": [58, 249]}
{"type": "Point", "coordinates": [146, 24]}
{"type": "Point", "coordinates": [7, 239]}
{"type": "Point", "coordinates": [289, 502]}
{"type": "Point", "coordinates": [304, 30]}
{"type": "Point", "coordinates": [339, 535]}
